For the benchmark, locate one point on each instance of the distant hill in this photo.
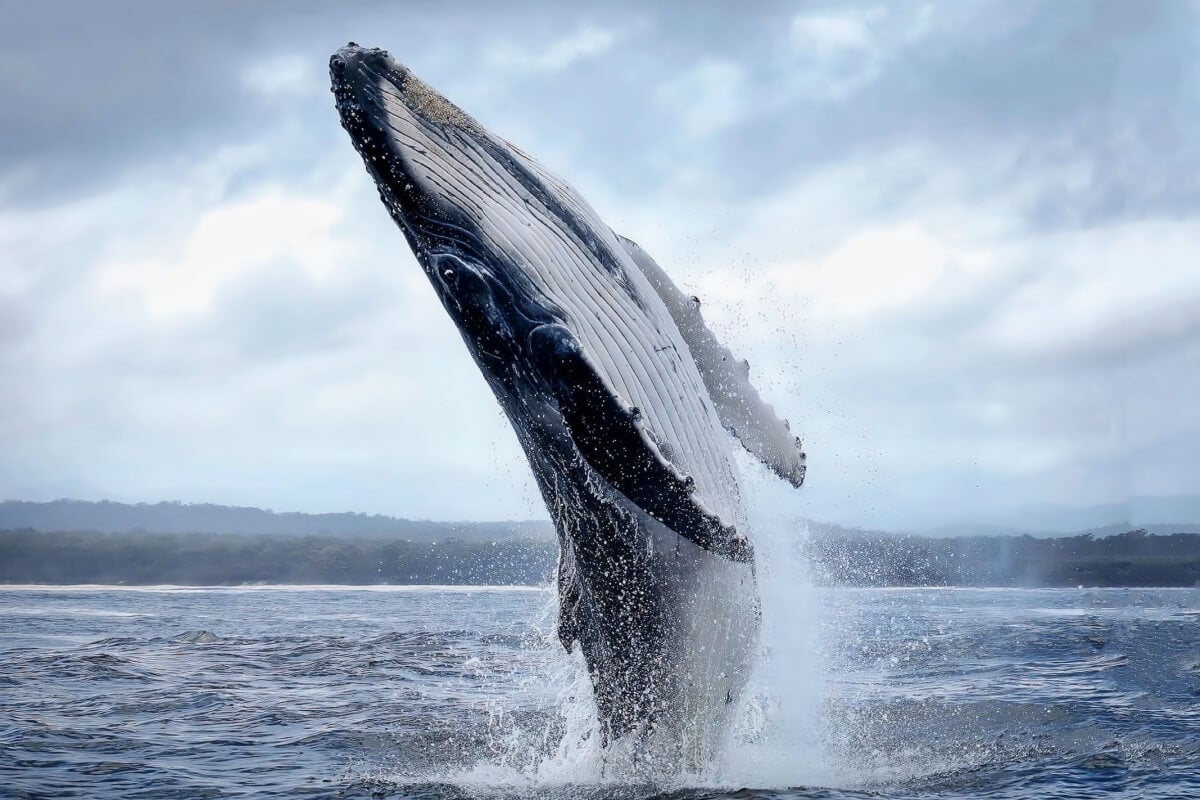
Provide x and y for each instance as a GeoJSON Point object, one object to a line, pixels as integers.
{"type": "Point", "coordinates": [200, 559]}
{"type": "Point", "coordinates": [1133, 558]}
{"type": "Point", "coordinates": [174, 517]}
{"type": "Point", "coordinates": [73, 541]}
{"type": "Point", "coordinates": [1161, 515]}
{"type": "Point", "coordinates": [1157, 514]}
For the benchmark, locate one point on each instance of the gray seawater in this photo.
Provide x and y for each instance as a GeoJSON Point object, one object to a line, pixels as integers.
{"type": "Point", "coordinates": [453, 693]}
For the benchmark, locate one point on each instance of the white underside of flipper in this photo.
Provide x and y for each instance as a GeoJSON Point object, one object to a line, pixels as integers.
{"type": "Point", "coordinates": [746, 415]}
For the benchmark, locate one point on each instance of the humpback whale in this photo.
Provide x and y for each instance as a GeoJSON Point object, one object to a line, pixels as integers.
{"type": "Point", "coordinates": [621, 398]}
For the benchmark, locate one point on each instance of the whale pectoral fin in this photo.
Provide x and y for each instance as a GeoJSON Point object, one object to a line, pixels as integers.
{"type": "Point", "coordinates": [611, 438]}
{"type": "Point", "coordinates": [743, 413]}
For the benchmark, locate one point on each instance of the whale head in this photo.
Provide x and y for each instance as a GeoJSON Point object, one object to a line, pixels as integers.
{"type": "Point", "coordinates": [574, 340]}
{"type": "Point", "coordinates": [477, 213]}
{"type": "Point", "coordinates": [587, 344]}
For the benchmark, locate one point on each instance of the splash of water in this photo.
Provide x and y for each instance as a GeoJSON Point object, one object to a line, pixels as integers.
{"type": "Point", "coordinates": [775, 738]}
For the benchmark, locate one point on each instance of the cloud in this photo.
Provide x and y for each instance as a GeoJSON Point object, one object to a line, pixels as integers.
{"type": "Point", "coordinates": [872, 272]}
{"type": "Point", "coordinates": [271, 350]}
{"type": "Point", "coordinates": [955, 242]}
{"type": "Point", "coordinates": [227, 243]}
{"type": "Point", "coordinates": [284, 75]}
{"type": "Point", "coordinates": [706, 98]}
{"type": "Point", "coordinates": [586, 42]}
{"type": "Point", "coordinates": [829, 34]}
{"type": "Point", "coordinates": [1102, 298]}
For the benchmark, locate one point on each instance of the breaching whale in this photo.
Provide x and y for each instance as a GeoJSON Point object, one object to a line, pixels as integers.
{"type": "Point", "coordinates": [621, 398]}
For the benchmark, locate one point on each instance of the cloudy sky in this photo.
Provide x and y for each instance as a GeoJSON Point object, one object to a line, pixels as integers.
{"type": "Point", "coordinates": [958, 242]}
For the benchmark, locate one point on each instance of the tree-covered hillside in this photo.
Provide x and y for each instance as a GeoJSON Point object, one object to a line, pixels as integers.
{"type": "Point", "coordinates": [839, 558]}
{"type": "Point", "coordinates": [174, 517]}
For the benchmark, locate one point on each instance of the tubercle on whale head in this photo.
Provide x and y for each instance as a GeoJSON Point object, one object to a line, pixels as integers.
{"type": "Point", "coordinates": [355, 80]}
{"type": "Point", "coordinates": [440, 173]}
{"type": "Point", "coordinates": [394, 119]}
{"type": "Point", "coordinates": [419, 96]}
{"type": "Point", "coordinates": [425, 156]}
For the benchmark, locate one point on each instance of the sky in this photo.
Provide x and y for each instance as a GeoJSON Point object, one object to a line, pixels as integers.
{"type": "Point", "coordinates": [959, 244]}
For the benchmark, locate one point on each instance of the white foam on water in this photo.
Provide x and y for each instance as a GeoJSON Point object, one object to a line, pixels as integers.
{"type": "Point", "coordinates": [566, 748]}
{"type": "Point", "coordinates": [775, 740]}
{"type": "Point", "coordinates": [54, 611]}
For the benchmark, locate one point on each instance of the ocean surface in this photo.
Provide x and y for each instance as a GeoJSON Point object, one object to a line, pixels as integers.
{"type": "Point", "coordinates": [437, 692]}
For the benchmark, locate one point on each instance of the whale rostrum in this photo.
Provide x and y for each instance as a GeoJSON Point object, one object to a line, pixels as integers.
{"type": "Point", "coordinates": [622, 399]}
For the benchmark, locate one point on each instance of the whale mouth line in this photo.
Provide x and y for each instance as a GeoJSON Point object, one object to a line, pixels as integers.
{"type": "Point", "coordinates": [434, 229]}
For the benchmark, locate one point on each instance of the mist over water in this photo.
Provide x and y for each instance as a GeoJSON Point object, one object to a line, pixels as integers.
{"type": "Point", "coordinates": [775, 739]}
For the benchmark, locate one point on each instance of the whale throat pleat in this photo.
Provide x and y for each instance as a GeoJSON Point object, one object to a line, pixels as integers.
{"type": "Point", "coordinates": [635, 346]}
